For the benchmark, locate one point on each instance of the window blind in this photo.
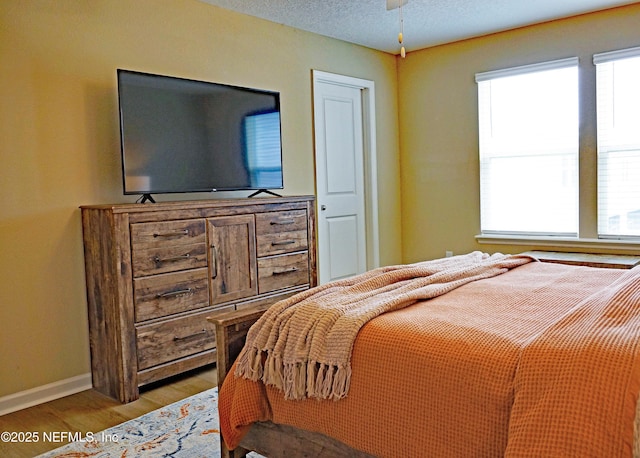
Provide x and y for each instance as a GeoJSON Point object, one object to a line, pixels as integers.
{"type": "Point", "coordinates": [618, 111]}
{"type": "Point", "coordinates": [528, 145]}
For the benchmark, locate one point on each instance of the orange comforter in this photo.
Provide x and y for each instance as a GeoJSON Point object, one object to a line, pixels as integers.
{"type": "Point", "coordinates": [539, 361]}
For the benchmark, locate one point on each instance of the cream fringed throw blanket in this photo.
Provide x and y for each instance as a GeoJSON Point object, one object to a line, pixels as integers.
{"type": "Point", "coordinates": [308, 338]}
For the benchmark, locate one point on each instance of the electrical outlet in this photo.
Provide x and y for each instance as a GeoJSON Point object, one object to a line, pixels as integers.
{"type": "Point", "coordinates": [448, 254]}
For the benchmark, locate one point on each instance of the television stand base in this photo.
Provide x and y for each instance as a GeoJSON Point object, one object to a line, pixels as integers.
{"type": "Point", "coordinates": [145, 198]}
{"type": "Point", "coordinates": [266, 191]}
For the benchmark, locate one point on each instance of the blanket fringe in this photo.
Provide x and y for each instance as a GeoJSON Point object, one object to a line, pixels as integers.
{"type": "Point", "coordinates": [250, 364]}
{"type": "Point", "coordinates": [297, 380]}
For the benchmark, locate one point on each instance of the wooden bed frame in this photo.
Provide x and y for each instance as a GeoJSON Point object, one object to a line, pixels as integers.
{"type": "Point", "coordinates": [273, 440]}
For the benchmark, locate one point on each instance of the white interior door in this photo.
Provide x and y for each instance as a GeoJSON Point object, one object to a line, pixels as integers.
{"type": "Point", "coordinates": [340, 136]}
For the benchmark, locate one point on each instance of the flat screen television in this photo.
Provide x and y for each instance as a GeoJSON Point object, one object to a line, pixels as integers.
{"type": "Point", "coordinates": [181, 135]}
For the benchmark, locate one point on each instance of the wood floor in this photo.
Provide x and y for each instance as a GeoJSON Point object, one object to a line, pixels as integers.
{"type": "Point", "coordinates": [90, 411]}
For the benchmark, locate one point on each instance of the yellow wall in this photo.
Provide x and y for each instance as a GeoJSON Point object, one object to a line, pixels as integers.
{"type": "Point", "coordinates": [59, 144]}
{"type": "Point", "coordinates": [439, 124]}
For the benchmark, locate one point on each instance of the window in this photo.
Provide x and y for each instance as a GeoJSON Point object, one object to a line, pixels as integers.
{"type": "Point", "coordinates": [528, 125]}
{"type": "Point", "coordinates": [618, 99]}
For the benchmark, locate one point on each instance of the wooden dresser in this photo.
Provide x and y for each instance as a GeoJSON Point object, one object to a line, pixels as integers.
{"type": "Point", "coordinates": [156, 272]}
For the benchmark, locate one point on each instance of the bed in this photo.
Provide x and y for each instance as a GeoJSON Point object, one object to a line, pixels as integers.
{"type": "Point", "coordinates": [538, 360]}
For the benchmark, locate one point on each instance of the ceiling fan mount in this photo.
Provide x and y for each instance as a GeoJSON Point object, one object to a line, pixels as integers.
{"type": "Point", "coordinates": [393, 4]}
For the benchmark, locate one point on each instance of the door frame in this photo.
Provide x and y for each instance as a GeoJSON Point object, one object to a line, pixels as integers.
{"type": "Point", "coordinates": [367, 91]}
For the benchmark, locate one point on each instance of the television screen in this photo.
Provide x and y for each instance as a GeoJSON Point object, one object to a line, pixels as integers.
{"type": "Point", "coordinates": [180, 135]}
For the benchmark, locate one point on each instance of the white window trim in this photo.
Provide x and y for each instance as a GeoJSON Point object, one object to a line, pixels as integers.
{"type": "Point", "coordinates": [557, 64]}
{"type": "Point", "coordinates": [559, 242]}
{"type": "Point", "coordinates": [618, 54]}
{"type": "Point", "coordinates": [600, 59]}
{"type": "Point", "coordinates": [531, 68]}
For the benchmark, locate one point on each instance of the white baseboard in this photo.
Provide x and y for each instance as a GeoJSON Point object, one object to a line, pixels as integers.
{"type": "Point", "coordinates": [44, 393]}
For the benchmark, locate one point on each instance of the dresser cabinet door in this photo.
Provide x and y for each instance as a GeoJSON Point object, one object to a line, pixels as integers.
{"type": "Point", "coordinates": [232, 258]}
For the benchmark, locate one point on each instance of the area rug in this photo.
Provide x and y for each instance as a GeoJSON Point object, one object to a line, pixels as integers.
{"type": "Point", "coordinates": [184, 429]}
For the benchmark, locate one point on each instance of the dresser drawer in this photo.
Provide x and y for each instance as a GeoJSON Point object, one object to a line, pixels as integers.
{"type": "Point", "coordinates": [145, 236]}
{"type": "Point", "coordinates": [281, 232]}
{"type": "Point", "coordinates": [283, 271]}
{"type": "Point", "coordinates": [168, 259]}
{"type": "Point", "coordinates": [165, 294]}
{"type": "Point", "coordinates": [168, 246]}
{"type": "Point", "coordinates": [172, 339]}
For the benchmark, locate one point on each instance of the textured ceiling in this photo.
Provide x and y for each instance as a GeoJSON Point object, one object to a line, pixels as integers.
{"type": "Point", "coordinates": [426, 22]}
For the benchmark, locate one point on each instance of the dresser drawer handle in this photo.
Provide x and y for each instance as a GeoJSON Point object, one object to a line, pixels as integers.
{"type": "Point", "coordinates": [160, 260]}
{"type": "Point", "coordinates": [283, 222]}
{"type": "Point", "coordinates": [170, 234]}
{"type": "Point", "coordinates": [180, 292]}
{"type": "Point", "coordinates": [176, 338]}
{"type": "Point", "coordinates": [284, 242]}
{"type": "Point", "coordinates": [285, 271]}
